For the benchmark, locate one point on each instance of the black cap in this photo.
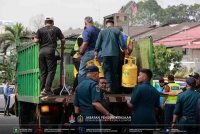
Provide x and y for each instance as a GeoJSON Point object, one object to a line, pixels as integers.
{"type": "Point", "coordinates": [195, 75]}
{"type": "Point", "coordinates": [109, 20]}
{"type": "Point", "coordinates": [171, 77]}
{"type": "Point", "coordinates": [191, 81]}
{"type": "Point", "coordinates": [92, 69]}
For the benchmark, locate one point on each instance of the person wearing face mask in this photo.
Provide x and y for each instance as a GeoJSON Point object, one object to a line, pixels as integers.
{"type": "Point", "coordinates": [144, 101]}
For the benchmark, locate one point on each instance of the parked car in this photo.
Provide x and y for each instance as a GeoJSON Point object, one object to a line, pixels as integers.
{"type": "Point", "coordinates": [12, 99]}
{"type": "Point", "coordinates": [181, 83]}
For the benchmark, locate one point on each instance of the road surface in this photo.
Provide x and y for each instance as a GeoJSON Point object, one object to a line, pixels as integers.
{"type": "Point", "coordinates": [9, 124]}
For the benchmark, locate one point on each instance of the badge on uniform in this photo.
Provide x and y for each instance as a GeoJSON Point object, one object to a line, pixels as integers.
{"type": "Point", "coordinates": [97, 89]}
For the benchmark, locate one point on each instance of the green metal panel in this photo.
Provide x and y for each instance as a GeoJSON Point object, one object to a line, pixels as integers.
{"type": "Point", "coordinates": [143, 51]}
{"type": "Point", "coordinates": [28, 73]}
{"type": "Point", "coordinates": [69, 78]}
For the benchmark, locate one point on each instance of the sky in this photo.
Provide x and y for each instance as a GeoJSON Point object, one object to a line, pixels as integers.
{"type": "Point", "coordinates": [67, 13]}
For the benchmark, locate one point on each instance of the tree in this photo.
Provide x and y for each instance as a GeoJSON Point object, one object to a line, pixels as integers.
{"type": "Point", "coordinates": [174, 14]}
{"type": "Point", "coordinates": [37, 21]}
{"type": "Point", "coordinates": [194, 12]}
{"type": "Point", "coordinates": [163, 58]}
{"type": "Point", "coordinates": [149, 13]}
{"type": "Point", "coordinates": [11, 39]}
{"type": "Point", "coordinates": [146, 12]}
{"type": "Point", "coordinates": [99, 25]}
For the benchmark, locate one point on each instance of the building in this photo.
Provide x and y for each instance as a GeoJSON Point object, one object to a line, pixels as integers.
{"type": "Point", "coordinates": [183, 37]}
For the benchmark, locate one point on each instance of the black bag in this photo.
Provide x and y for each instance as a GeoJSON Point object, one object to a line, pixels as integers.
{"type": "Point", "coordinates": [57, 53]}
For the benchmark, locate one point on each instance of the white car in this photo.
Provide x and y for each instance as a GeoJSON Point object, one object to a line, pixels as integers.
{"type": "Point", "coordinates": [181, 83]}
{"type": "Point", "coordinates": [12, 99]}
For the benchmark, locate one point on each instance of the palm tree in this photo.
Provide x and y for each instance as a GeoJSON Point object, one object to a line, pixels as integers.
{"type": "Point", "coordinates": [11, 39]}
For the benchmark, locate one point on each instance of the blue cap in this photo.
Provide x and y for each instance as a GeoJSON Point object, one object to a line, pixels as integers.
{"type": "Point", "coordinates": [191, 81]}
{"type": "Point", "coordinates": [92, 68]}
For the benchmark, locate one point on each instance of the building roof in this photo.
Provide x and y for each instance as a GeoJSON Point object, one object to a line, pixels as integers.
{"type": "Point", "coordinates": [181, 38]}
{"type": "Point", "coordinates": [164, 31]}
{"type": "Point", "coordinates": [193, 45]}
{"type": "Point", "coordinates": [138, 30]}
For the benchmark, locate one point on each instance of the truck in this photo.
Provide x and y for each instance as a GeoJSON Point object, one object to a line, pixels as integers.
{"type": "Point", "coordinates": [53, 113]}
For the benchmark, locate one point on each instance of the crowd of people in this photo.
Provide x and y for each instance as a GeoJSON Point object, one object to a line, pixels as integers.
{"type": "Point", "coordinates": [178, 108]}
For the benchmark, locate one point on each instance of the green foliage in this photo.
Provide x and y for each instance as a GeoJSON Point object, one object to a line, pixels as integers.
{"type": "Point", "coordinates": [163, 58]}
{"type": "Point", "coordinates": [11, 39]}
{"type": "Point", "coordinates": [146, 13]}
{"type": "Point", "coordinates": [99, 25]}
{"type": "Point", "coordinates": [149, 12]}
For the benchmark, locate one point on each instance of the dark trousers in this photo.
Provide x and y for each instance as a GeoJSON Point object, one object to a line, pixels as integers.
{"type": "Point", "coordinates": [188, 124]}
{"type": "Point", "coordinates": [110, 67]}
{"type": "Point", "coordinates": [47, 63]}
{"type": "Point", "coordinates": [7, 104]}
{"type": "Point", "coordinates": [168, 113]}
{"type": "Point", "coordinates": [76, 64]}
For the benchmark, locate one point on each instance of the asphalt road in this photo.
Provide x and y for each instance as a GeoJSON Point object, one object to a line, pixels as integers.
{"type": "Point", "coordinates": [9, 124]}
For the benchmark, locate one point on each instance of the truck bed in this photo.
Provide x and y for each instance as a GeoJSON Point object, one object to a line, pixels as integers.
{"type": "Point", "coordinates": [113, 98]}
{"type": "Point", "coordinates": [70, 98]}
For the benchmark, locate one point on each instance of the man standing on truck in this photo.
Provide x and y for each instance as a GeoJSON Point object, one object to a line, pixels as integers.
{"type": "Point", "coordinates": [88, 97]}
{"type": "Point", "coordinates": [144, 101]}
{"type": "Point", "coordinates": [110, 40]}
{"type": "Point", "coordinates": [86, 51]}
{"type": "Point", "coordinates": [47, 38]}
{"type": "Point", "coordinates": [76, 61]}
{"type": "Point", "coordinates": [129, 44]}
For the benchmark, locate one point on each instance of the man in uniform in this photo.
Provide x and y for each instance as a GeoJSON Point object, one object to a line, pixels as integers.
{"type": "Point", "coordinates": [197, 78]}
{"type": "Point", "coordinates": [129, 44]}
{"type": "Point", "coordinates": [47, 38]}
{"type": "Point", "coordinates": [103, 88]}
{"type": "Point", "coordinates": [88, 97]}
{"type": "Point", "coordinates": [109, 41]}
{"type": "Point", "coordinates": [76, 61]}
{"type": "Point", "coordinates": [185, 110]}
{"type": "Point", "coordinates": [144, 101]}
{"type": "Point", "coordinates": [86, 51]}
{"type": "Point", "coordinates": [169, 102]}
{"type": "Point", "coordinates": [127, 40]}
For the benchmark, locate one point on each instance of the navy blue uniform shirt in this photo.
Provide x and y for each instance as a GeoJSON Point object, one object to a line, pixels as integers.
{"type": "Point", "coordinates": [109, 41]}
{"type": "Point", "coordinates": [87, 93]}
{"type": "Point", "coordinates": [90, 35]}
{"type": "Point", "coordinates": [145, 99]}
{"type": "Point", "coordinates": [186, 103]}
